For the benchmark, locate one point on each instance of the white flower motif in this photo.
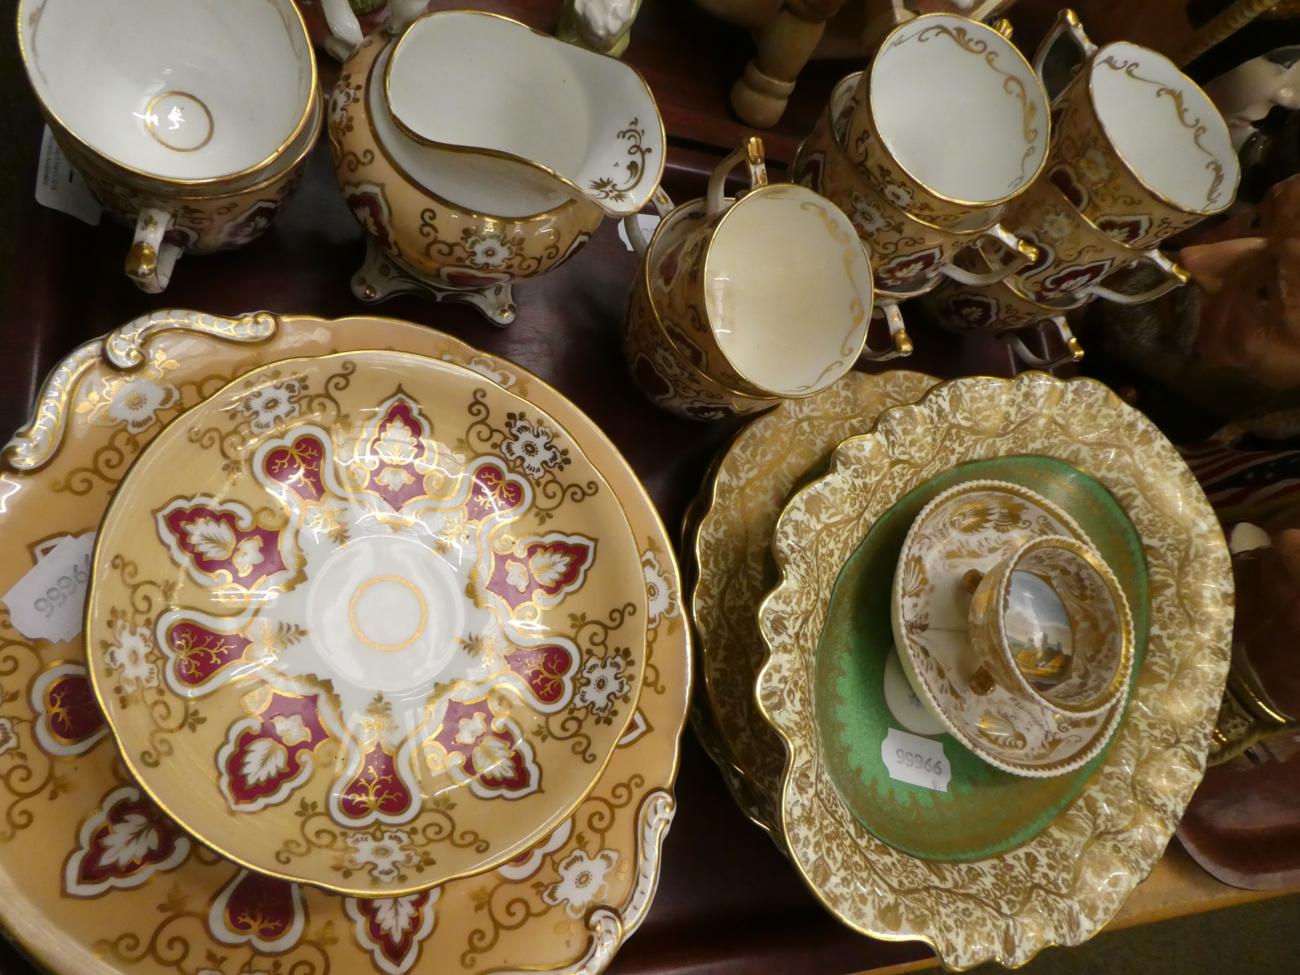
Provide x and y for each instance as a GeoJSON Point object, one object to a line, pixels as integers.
{"type": "Point", "coordinates": [265, 759]}
{"type": "Point", "coordinates": [395, 914]}
{"type": "Point", "coordinates": [367, 220]}
{"type": "Point", "coordinates": [383, 855]}
{"type": "Point", "coordinates": [603, 682]}
{"type": "Point", "coordinates": [470, 730]}
{"type": "Point", "coordinates": [396, 445]}
{"type": "Point", "coordinates": [582, 879]}
{"type": "Point", "coordinates": [868, 220]}
{"type": "Point", "coordinates": [531, 446]}
{"type": "Point", "coordinates": [1056, 224]}
{"type": "Point", "coordinates": [394, 478]}
{"type": "Point", "coordinates": [211, 538]}
{"type": "Point", "coordinates": [129, 657]}
{"type": "Point", "coordinates": [897, 194]}
{"type": "Point", "coordinates": [493, 759]}
{"type": "Point", "coordinates": [517, 576]}
{"type": "Point", "coordinates": [247, 555]}
{"type": "Point", "coordinates": [137, 400]}
{"type": "Point", "coordinates": [291, 729]}
{"type": "Point", "coordinates": [8, 737]}
{"type": "Point", "coordinates": [548, 567]}
{"type": "Point", "coordinates": [129, 841]}
{"type": "Point", "coordinates": [660, 599]}
{"type": "Point", "coordinates": [489, 250]}
{"type": "Point", "coordinates": [268, 405]}
{"type": "Point", "coordinates": [1094, 166]}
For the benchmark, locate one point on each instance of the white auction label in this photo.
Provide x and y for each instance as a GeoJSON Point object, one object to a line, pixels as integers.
{"type": "Point", "coordinates": [915, 760]}
{"type": "Point", "coordinates": [49, 601]}
{"type": "Point", "coordinates": [60, 187]}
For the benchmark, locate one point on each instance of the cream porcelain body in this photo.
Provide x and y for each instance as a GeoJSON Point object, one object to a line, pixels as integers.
{"type": "Point", "coordinates": [549, 115]}
{"type": "Point", "coordinates": [193, 92]}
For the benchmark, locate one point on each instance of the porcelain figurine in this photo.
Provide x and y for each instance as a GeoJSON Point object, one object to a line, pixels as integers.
{"type": "Point", "coordinates": [1230, 343]}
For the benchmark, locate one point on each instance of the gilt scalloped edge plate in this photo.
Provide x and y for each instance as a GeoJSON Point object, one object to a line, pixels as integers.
{"type": "Point", "coordinates": [738, 509]}
{"type": "Point", "coordinates": [1063, 885]}
{"type": "Point", "coordinates": [99, 882]}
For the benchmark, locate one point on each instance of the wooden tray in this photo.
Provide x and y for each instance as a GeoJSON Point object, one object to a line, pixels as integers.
{"type": "Point", "coordinates": [728, 903]}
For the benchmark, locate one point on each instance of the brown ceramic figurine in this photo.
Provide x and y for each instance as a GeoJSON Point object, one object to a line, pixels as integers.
{"type": "Point", "coordinates": [1231, 344]}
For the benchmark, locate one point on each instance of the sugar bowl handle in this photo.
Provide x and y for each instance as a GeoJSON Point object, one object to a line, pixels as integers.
{"type": "Point", "coordinates": [751, 154]}
{"type": "Point", "coordinates": [152, 257]}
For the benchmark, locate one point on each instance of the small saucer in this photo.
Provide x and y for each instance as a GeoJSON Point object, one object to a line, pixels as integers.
{"type": "Point", "coordinates": [974, 526]}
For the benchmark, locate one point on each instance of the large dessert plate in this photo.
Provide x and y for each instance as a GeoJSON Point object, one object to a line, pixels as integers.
{"type": "Point", "coordinates": [100, 881]}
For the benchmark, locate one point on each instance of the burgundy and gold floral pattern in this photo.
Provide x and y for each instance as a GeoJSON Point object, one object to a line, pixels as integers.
{"type": "Point", "coordinates": [165, 926]}
{"type": "Point", "coordinates": [360, 629]}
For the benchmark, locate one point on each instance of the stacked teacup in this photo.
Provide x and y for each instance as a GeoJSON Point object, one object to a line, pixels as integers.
{"type": "Point", "coordinates": [743, 302]}
{"type": "Point", "coordinates": [940, 154]}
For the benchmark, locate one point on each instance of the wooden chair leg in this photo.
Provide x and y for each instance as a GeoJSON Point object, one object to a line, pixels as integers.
{"type": "Point", "coordinates": [785, 44]}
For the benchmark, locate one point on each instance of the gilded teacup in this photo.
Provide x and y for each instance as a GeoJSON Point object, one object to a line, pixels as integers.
{"type": "Point", "coordinates": [1138, 146]}
{"type": "Point", "coordinates": [1002, 308]}
{"type": "Point", "coordinates": [668, 368]}
{"type": "Point", "coordinates": [189, 121]}
{"type": "Point", "coordinates": [907, 253]}
{"type": "Point", "coordinates": [1051, 623]}
{"type": "Point", "coordinates": [950, 118]}
{"type": "Point", "coordinates": [773, 288]}
{"type": "Point", "coordinates": [1075, 255]}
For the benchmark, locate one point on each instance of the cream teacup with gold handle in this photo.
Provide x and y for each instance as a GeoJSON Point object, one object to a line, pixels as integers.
{"type": "Point", "coordinates": [1074, 254]}
{"type": "Point", "coordinates": [773, 288]}
{"type": "Point", "coordinates": [950, 118]}
{"type": "Point", "coordinates": [1138, 146]}
{"type": "Point", "coordinates": [1050, 623]}
{"type": "Point", "coordinates": [1003, 309]}
{"type": "Point", "coordinates": [908, 254]}
{"type": "Point", "coordinates": [667, 367]}
{"type": "Point", "coordinates": [188, 121]}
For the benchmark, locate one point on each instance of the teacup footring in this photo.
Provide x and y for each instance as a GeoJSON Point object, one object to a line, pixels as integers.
{"type": "Point", "coordinates": [380, 278]}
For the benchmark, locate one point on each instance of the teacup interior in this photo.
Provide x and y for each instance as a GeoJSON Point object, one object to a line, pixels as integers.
{"type": "Point", "coordinates": [1164, 127]}
{"type": "Point", "coordinates": [475, 81]}
{"type": "Point", "coordinates": [959, 108]}
{"type": "Point", "coordinates": [788, 290]}
{"type": "Point", "coordinates": [1038, 630]}
{"type": "Point", "coordinates": [1063, 628]}
{"type": "Point", "coordinates": [190, 91]}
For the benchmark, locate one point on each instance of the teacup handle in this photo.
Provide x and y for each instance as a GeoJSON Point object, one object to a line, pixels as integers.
{"type": "Point", "coordinates": [632, 227]}
{"type": "Point", "coordinates": [751, 154]}
{"type": "Point", "coordinates": [1067, 25]}
{"type": "Point", "coordinates": [1175, 276]}
{"type": "Point", "coordinates": [345, 28]}
{"type": "Point", "coordinates": [901, 345]}
{"type": "Point", "coordinates": [151, 259]}
{"type": "Point", "coordinates": [1072, 352]}
{"type": "Point", "coordinates": [1022, 254]}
